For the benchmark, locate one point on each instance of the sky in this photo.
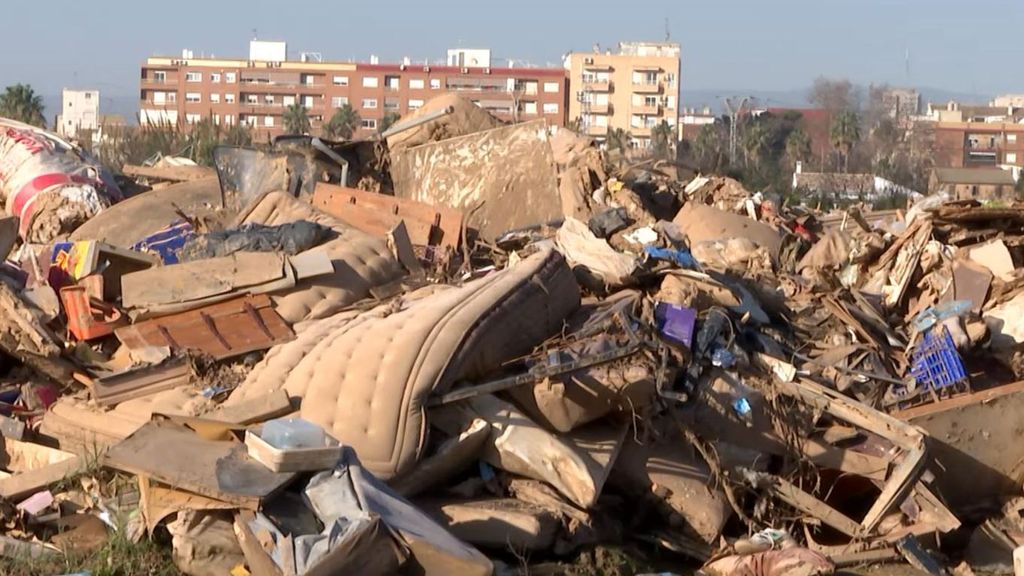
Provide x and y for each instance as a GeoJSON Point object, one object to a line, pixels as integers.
{"type": "Point", "coordinates": [973, 47]}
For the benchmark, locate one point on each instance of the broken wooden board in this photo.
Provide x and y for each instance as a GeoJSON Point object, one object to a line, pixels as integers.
{"type": "Point", "coordinates": [157, 502]}
{"type": "Point", "coordinates": [202, 279]}
{"type": "Point", "coordinates": [905, 264]}
{"type": "Point", "coordinates": [971, 281]}
{"type": "Point", "coordinates": [504, 178]}
{"type": "Point", "coordinates": [169, 173]}
{"type": "Point", "coordinates": [23, 337]}
{"type": "Point", "coordinates": [377, 214]}
{"type": "Point", "coordinates": [84, 430]}
{"type": "Point", "coordinates": [139, 382]}
{"type": "Point", "coordinates": [221, 330]}
{"type": "Point", "coordinates": [499, 523]}
{"type": "Point", "coordinates": [33, 467]}
{"type": "Point", "coordinates": [178, 457]}
{"type": "Point", "coordinates": [995, 257]}
{"type": "Point", "coordinates": [254, 410]}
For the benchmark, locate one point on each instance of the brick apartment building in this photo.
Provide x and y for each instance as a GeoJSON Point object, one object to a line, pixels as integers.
{"type": "Point", "coordinates": [978, 144]}
{"type": "Point", "coordinates": [257, 91]}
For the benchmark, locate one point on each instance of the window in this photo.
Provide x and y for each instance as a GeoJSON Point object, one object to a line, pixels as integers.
{"type": "Point", "coordinates": [435, 83]}
{"type": "Point", "coordinates": [229, 119]}
{"type": "Point", "coordinates": [529, 107]}
{"type": "Point", "coordinates": [645, 78]}
{"type": "Point", "coordinates": [193, 77]}
{"type": "Point", "coordinates": [268, 98]}
{"type": "Point", "coordinates": [338, 101]}
{"type": "Point", "coordinates": [88, 95]}
{"type": "Point", "coordinates": [391, 104]}
{"type": "Point", "coordinates": [415, 104]}
{"type": "Point", "coordinates": [370, 81]}
{"type": "Point", "coordinates": [216, 119]}
{"type": "Point", "coordinates": [650, 101]}
{"type": "Point", "coordinates": [214, 98]}
{"type": "Point", "coordinates": [369, 103]}
{"type": "Point", "coordinates": [1011, 138]}
{"type": "Point", "coordinates": [249, 120]}
{"type": "Point", "coordinates": [340, 80]}
{"type": "Point", "coordinates": [251, 99]}
{"type": "Point", "coordinates": [416, 84]}
{"type": "Point", "coordinates": [391, 82]}
{"type": "Point", "coordinates": [268, 121]}
{"type": "Point", "coordinates": [307, 79]}
{"type": "Point", "coordinates": [172, 97]}
{"type": "Point", "coordinates": [193, 97]}
{"type": "Point", "coordinates": [159, 97]}
{"type": "Point", "coordinates": [369, 123]}
{"type": "Point", "coordinates": [229, 77]}
{"type": "Point", "coordinates": [670, 102]}
{"type": "Point", "coordinates": [159, 76]}
{"type": "Point", "coordinates": [215, 77]}
{"type": "Point", "coordinates": [307, 101]}
{"type": "Point", "coordinates": [229, 98]}
{"type": "Point", "coordinates": [601, 121]}
{"type": "Point", "coordinates": [551, 108]}
{"type": "Point", "coordinates": [288, 100]}
{"type": "Point", "coordinates": [1011, 157]}
{"type": "Point", "coordinates": [551, 87]}
{"type": "Point", "coordinates": [193, 118]}
{"type": "Point", "coordinates": [530, 87]}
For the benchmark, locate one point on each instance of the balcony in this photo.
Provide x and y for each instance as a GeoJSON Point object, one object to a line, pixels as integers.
{"type": "Point", "coordinates": [647, 110]}
{"type": "Point", "coordinates": [598, 86]}
{"type": "Point", "coordinates": [597, 109]}
{"type": "Point", "coordinates": [597, 67]}
{"type": "Point", "coordinates": [153, 83]}
{"type": "Point", "coordinates": [647, 88]}
{"type": "Point", "coordinates": [597, 130]}
{"type": "Point", "coordinates": [641, 132]}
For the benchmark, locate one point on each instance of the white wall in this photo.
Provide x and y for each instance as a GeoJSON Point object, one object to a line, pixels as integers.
{"type": "Point", "coordinates": [265, 51]}
{"type": "Point", "coordinates": [80, 110]}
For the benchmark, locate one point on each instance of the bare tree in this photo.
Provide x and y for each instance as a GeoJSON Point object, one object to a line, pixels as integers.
{"type": "Point", "coordinates": [834, 95]}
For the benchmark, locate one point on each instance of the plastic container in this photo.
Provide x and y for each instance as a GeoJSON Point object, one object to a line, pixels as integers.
{"type": "Point", "coordinates": [290, 433]}
{"type": "Point", "coordinates": [935, 362]}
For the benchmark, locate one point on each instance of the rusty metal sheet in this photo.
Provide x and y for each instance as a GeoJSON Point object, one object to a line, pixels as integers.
{"type": "Point", "coordinates": [221, 330]}
{"type": "Point", "coordinates": [502, 179]}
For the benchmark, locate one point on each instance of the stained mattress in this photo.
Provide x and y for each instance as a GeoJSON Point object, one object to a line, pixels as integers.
{"type": "Point", "coordinates": [365, 375]}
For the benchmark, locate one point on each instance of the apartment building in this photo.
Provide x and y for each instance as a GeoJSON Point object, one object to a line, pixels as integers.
{"type": "Point", "coordinates": [978, 144]}
{"type": "Point", "coordinates": [634, 89]}
{"type": "Point", "coordinates": [79, 110]}
{"type": "Point", "coordinates": [257, 91]}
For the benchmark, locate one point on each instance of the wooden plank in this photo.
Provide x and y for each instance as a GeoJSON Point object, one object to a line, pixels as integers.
{"type": "Point", "coordinates": [810, 505]}
{"type": "Point", "coordinates": [222, 330]}
{"type": "Point", "coordinates": [169, 173]}
{"type": "Point", "coordinates": [178, 457]}
{"type": "Point", "coordinates": [258, 409]}
{"type": "Point", "coordinates": [428, 224]}
{"type": "Point", "coordinates": [828, 456]}
{"type": "Point", "coordinates": [33, 467]}
{"type": "Point", "coordinates": [259, 561]}
{"type": "Point", "coordinates": [190, 281]}
{"type": "Point", "coordinates": [139, 382]}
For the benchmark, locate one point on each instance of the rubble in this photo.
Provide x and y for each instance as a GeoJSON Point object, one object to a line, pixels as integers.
{"type": "Point", "coordinates": [466, 344]}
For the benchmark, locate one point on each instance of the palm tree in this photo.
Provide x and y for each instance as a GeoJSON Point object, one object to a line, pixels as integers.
{"type": "Point", "coordinates": [21, 103]}
{"type": "Point", "coordinates": [388, 121]}
{"type": "Point", "coordinates": [296, 119]}
{"type": "Point", "coordinates": [844, 134]}
{"type": "Point", "coordinates": [576, 124]}
{"type": "Point", "coordinates": [662, 139]}
{"type": "Point", "coordinates": [343, 123]}
{"type": "Point", "coordinates": [710, 148]}
{"type": "Point", "coordinates": [238, 135]}
{"type": "Point", "coordinates": [798, 146]}
{"type": "Point", "coordinates": [618, 139]}
{"type": "Point", "coordinates": [757, 143]}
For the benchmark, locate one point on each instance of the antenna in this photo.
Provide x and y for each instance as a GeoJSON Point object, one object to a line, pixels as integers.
{"type": "Point", "coordinates": [254, 35]}
{"type": "Point", "coordinates": [906, 62]}
{"type": "Point", "coordinates": [668, 33]}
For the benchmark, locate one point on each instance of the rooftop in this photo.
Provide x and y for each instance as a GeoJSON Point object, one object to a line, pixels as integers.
{"type": "Point", "coordinates": [993, 176]}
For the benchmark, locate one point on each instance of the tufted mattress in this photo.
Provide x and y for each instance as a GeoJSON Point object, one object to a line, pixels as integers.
{"type": "Point", "coordinates": [361, 261]}
{"type": "Point", "coordinates": [364, 376]}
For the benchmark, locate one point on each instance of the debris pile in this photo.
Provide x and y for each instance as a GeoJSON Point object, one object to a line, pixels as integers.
{"type": "Point", "coordinates": [469, 343]}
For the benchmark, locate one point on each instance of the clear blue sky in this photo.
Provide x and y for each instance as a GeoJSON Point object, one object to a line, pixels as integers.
{"type": "Point", "coordinates": [967, 46]}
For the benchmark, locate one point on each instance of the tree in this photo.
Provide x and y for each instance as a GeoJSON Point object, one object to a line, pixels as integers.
{"type": "Point", "coordinates": [757, 142]}
{"type": "Point", "coordinates": [798, 146]}
{"type": "Point", "coordinates": [343, 123]}
{"type": "Point", "coordinates": [845, 132]}
{"type": "Point", "coordinates": [710, 148]}
{"type": "Point", "coordinates": [834, 95]}
{"type": "Point", "coordinates": [618, 139]}
{"type": "Point", "coordinates": [663, 137]}
{"type": "Point", "coordinates": [296, 119]}
{"type": "Point", "coordinates": [21, 103]}
{"type": "Point", "coordinates": [388, 121]}
{"type": "Point", "coordinates": [238, 135]}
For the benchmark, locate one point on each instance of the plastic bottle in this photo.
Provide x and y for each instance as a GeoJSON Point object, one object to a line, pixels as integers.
{"type": "Point", "coordinates": [285, 433]}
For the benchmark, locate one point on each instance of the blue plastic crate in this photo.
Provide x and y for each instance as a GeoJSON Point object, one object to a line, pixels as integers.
{"type": "Point", "coordinates": [935, 363]}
